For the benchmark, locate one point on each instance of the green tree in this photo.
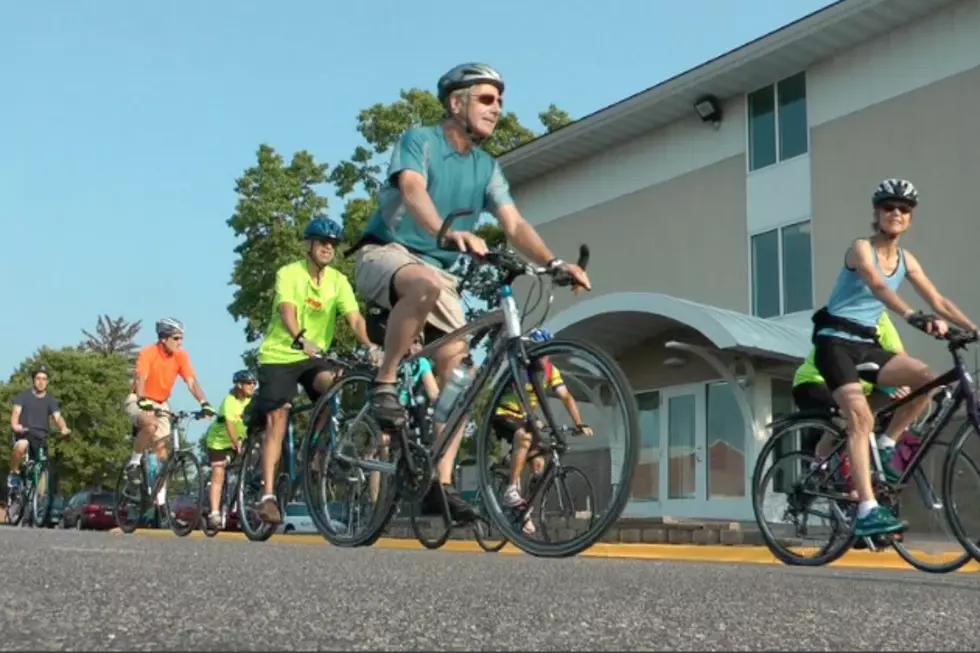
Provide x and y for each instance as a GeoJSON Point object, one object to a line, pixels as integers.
{"type": "Point", "coordinates": [275, 203]}
{"type": "Point", "coordinates": [90, 388]}
{"type": "Point", "coordinates": [113, 336]}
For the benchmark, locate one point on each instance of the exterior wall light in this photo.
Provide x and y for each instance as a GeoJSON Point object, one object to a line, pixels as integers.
{"type": "Point", "coordinates": [709, 109]}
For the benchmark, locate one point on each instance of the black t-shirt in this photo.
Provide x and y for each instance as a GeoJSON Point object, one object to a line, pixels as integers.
{"type": "Point", "coordinates": [36, 412]}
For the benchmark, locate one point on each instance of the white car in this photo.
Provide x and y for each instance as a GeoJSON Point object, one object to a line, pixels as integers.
{"type": "Point", "coordinates": [297, 519]}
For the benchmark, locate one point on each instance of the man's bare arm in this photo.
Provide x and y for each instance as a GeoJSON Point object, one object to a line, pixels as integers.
{"type": "Point", "coordinates": [15, 418]}
{"type": "Point", "coordinates": [523, 236]}
{"type": "Point", "coordinates": [195, 389]}
{"type": "Point", "coordinates": [415, 196]}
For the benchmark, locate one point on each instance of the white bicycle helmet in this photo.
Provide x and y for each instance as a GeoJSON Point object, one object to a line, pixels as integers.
{"type": "Point", "coordinates": [169, 326]}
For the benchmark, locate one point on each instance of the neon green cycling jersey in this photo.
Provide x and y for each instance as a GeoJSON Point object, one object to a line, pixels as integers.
{"type": "Point", "coordinates": [231, 410]}
{"type": "Point", "coordinates": [317, 307]}
{"type": "Point", "coordinates": [887, 336]}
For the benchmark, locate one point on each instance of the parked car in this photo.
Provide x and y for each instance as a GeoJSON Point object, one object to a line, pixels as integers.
{"type": "Point", "coordinates": [297, 519]}
{"type": "Point", "coordinates": [57, 508]}
{"type": "Point", "coordinates": [89, 509]}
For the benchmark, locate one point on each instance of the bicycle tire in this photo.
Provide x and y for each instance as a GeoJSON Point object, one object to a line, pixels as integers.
{"type": "Point", "coordinates": [479, 525]}
{"type": "Point", "coordinates": [118, 508]}
{"type": "Point", "coordinates": [184, 528]}
{"type": "Point", "coordinates": [952, 516]}
{"type": "Point", "coordinates": [559, 481]}
{"type": "Point", "coordinates": [415, 517]}
{"type": "Point", "coordinates": [624, 393]}
{"type": "Point", "coordinates": [41, 509]}
{"type": "Point", "coordinates": [252, 453]}
{"type": "Point", "coordinates": [947, 567]}
{"type": "Point", "coordinates": [837, 546]}
{"type": "Point", "coordinates": [387, 501]}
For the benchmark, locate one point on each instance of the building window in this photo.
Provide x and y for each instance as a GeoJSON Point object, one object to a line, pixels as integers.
{"type": "Point", "coordinates": [726, 443]}
{"type": "Point", "coordinates": [777, 122]}
{"type": "Point", "coordinates": [646, 477]}
{"type": "Point", "coordinates": [782, 275]}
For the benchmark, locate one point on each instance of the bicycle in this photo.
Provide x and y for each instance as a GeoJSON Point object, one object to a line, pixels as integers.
{"type": "Point", "coordinates": [133, 487]}
{"type": "Point", "coordinates": [250, 483]}
{"type": "Point", "coordinates": [826, 478]}
{"type": "Point", "coordinates": [509, 356]}
{"type": "Point", "coordinates": [33, 474]}
{"type": "Point", "coordinates": [228, 499]}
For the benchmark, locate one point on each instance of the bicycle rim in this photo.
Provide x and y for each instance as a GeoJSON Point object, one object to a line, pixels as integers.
{"type": "Point", "coordinates": [623, 396]}
{"type": "Point", "coordinates": [955, 451]}
{"type": "Point", "coordinates": [483, 529]}
{"type": "Point", "coordinates": [561, 488]}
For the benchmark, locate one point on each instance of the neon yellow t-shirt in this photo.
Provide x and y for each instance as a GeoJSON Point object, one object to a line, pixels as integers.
{"type": "Point", "coordinates": [887, 336]}
{"type": "Point", "coordinates": [317, 307]}
{"type": "Point", "coordinates": [230, 410]}
{"type": "Point", "coordinates": [510, 404]}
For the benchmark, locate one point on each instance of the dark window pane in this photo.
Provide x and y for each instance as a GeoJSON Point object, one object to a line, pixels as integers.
{"type": "Point", "coordinates": [797, 273]}
{"type": "Point", "coordinates": [765, 274]}
{"type": "Point", "coordinates": [792, 116]}
{"type": "Point", "coordinates": [762, 128]}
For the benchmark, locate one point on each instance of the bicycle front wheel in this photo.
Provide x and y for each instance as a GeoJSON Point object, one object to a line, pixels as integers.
{"type": "Point", "coordinates": [43, 494]}
{"type": "Point", "coordinates": [959, 500]}
{"type": "Point", "coordinates": [349, 505]}
{"type": "Point", "coordinates": [184, 493]}
{"type": "Point", "coordinates": [605, 400]}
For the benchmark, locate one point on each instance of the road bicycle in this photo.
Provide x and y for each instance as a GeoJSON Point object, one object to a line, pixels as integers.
{"type": "Point", "coordinates": [35, 490]}
{"type": "Point", "coordinates": [509, 361]}
{"type": "Point", "coordinates": [180, 473]}
{"type": "Point", "coordinates": [808, 479]}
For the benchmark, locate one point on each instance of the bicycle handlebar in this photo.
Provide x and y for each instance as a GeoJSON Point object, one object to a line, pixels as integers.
{"type": "Point", "coordinates": [180, 414]}
{"type": "Point", "coordinates": [957, 337]}
{"type": "Point", "coordinates": [342, 360]}
{"type": "Point", "coordinates": [510, 263]}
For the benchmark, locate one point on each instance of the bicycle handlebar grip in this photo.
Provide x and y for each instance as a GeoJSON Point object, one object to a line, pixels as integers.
{"type": "Point", "coordinates": [583, 256]}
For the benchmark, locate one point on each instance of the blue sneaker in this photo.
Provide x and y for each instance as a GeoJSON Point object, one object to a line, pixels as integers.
{"type": "Point", "coordinates": [880, 521]}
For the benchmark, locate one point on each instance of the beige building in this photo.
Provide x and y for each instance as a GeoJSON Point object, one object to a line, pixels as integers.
{"type": "Point", "coordinates": [713, 240]}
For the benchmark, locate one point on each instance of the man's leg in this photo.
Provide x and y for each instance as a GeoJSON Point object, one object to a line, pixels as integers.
{"type": "Point", "coordinates": [217, 460]}
{"type": "Point", "coordinates": [16, 458]}
{"type": "Point", "coordinates": [915, 374]}
{"type": "Point", "coordinates": [395, 279]}
{"type": "Point", "coordinates": [277, 389]}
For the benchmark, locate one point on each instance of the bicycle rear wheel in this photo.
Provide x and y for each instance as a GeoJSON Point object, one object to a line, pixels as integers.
{"type": "Point", "coordinates": [486, 534]}
{"type": "Point", "coordinates": [569, 497]}
{"type": "Point", "coordinates": [615, 397]}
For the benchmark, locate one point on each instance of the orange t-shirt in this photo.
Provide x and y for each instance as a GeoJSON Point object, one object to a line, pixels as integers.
{"type": "Point", "coordinates": [161, 370]}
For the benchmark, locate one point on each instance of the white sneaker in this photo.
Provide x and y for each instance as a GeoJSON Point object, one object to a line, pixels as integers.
{"type": "Point", "coordinates": [512, 497]}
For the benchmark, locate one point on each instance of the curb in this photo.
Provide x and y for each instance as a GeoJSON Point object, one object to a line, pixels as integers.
{"type": "Point", "coordinates": [758, 555]}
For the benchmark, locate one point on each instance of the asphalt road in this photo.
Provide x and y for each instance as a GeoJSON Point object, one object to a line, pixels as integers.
{"type": "Point", "coordinates": [68, 590]}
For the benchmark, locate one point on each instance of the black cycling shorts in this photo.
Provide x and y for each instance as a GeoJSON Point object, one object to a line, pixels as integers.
{"type": "Point", "coordinates": [34, 442]}
{"type": "Point", "coordinates": [277, 385]}
{"type": "Point", "coordinates": [837, 359]}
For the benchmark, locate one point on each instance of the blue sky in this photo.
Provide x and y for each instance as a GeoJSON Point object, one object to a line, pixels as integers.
{"type": "Point", "coordinates": [125, 124]}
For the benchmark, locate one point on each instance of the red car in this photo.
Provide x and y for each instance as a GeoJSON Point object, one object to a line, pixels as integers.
{"type": "Point", "coordinates": [89, 509]}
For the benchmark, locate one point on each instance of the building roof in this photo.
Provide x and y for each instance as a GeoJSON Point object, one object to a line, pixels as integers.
{"type": "Point", "coordinates": [727, 330]}
{"type": "Point", "coordinates": [784, 52]}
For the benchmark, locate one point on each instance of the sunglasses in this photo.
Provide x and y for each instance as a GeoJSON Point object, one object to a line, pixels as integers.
{"type": "Point", "coordinates": [327, 241]}
{"type": "Point", "coordinates": [177, 338]}
{"type": "Point", "coordinates": [488, 99]}
{"type": "Point", "coordinates": [901, 208]}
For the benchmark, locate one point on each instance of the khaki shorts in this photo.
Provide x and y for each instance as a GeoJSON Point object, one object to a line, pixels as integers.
{"type": "Point", "coordinates": [163, 422]}
{"type": "Point", "coordinates": [376, 265]}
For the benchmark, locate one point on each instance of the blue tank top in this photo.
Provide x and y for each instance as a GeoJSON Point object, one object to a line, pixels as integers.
{"type": "Point", "coordinates": [852, 300]}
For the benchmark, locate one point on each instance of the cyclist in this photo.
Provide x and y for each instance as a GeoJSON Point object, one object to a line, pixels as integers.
{"type": "Point", "coordinates": [810, 392]}
{"type": "Point", "coordinates": [844, 335]}
{"type": "Point", "coordinates": [29, 419]}
{"type": "Point", "coordinates": [510, 423]}
{"type": "Point", "coordinates": [434, 172]}
{"type": "Point", "coordinates": [157, 368]}
{"type": "Point", "coordinates": [226, 435]}
{"type": "Point", "coordinates": [308, 297]}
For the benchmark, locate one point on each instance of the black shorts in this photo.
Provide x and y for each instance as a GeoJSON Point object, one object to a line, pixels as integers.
{"type": "Point", "coordinates": [277, 385]}
{"type": "Point", "coordinates": [837, 359]}
{"type": "Point", "coordinates": [34, 442]}
{"type": "Point", "coordinates": [506, 426]}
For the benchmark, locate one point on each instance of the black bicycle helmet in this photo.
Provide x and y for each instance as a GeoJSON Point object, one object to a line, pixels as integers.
{"type": "Point", "coordinates": [243, 376]}
{"type": "Point", "coordinates": [895, 190]}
